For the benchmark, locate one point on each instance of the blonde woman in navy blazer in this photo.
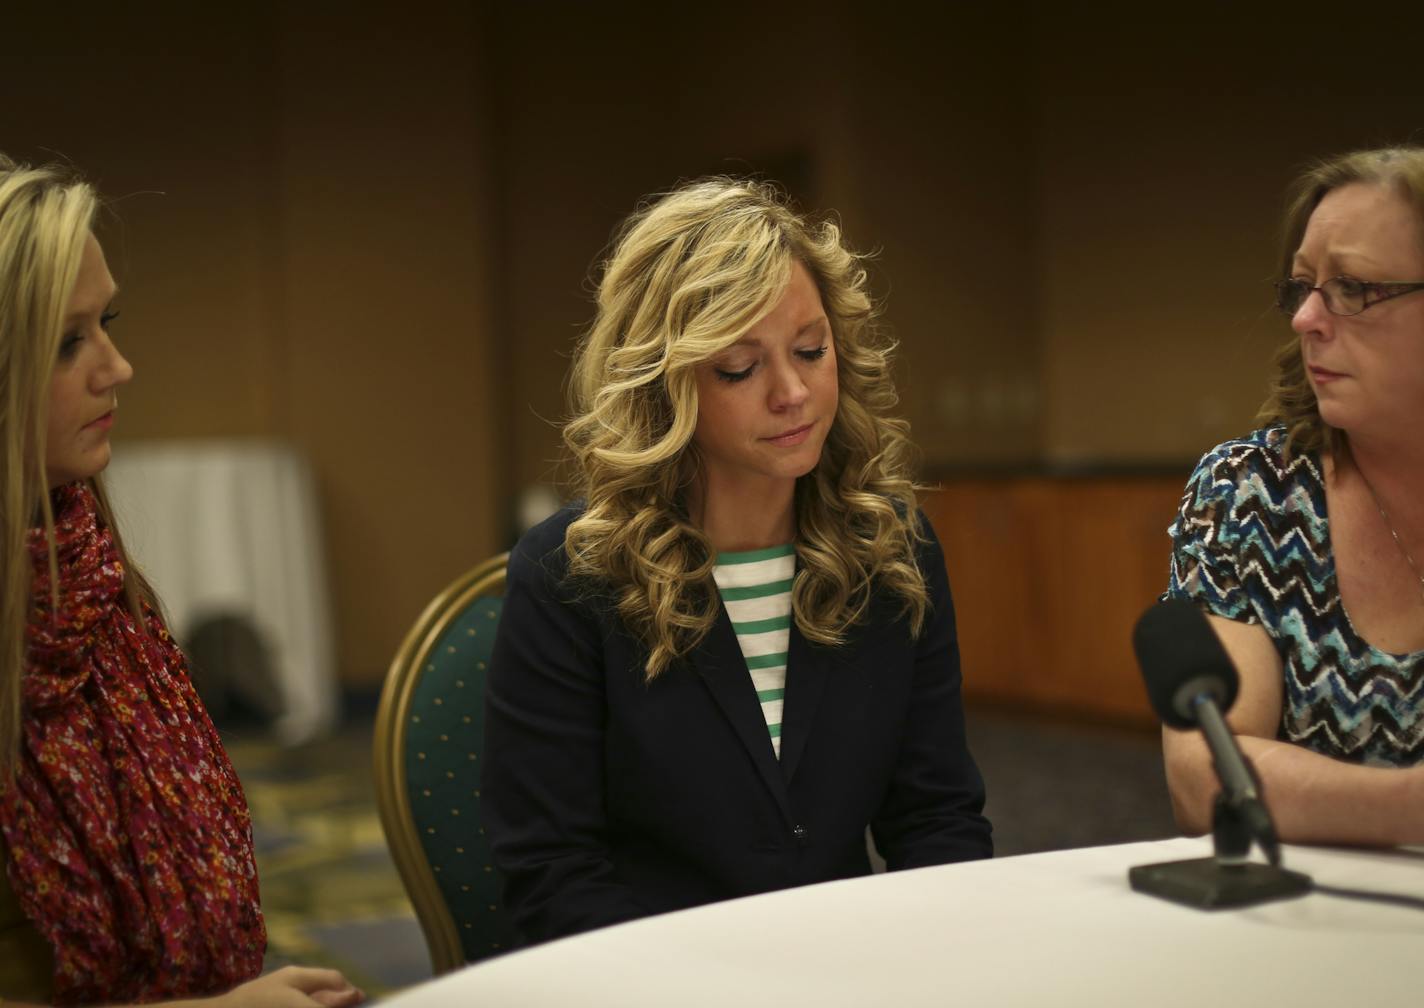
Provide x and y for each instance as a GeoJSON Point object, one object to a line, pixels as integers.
{"type": "Point", "coordinates": [733, 394]}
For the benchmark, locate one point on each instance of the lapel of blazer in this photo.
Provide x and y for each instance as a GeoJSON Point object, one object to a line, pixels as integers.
{"type": "Point", "coordinates": [719, 662]}
{"type": "Point", "coordinates": [807, 669]}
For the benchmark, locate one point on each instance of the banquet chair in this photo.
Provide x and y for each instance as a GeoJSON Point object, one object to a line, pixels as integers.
{"type": "Point", "coordinates": [428, 740]}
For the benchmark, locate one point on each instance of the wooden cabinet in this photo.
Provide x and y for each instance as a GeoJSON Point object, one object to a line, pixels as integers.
{"type": "Point", "coordinates": [1049, 575]}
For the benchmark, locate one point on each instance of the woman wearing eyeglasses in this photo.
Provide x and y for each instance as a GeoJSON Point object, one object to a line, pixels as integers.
{"type": "Point", "coordinates": [1304, 541]}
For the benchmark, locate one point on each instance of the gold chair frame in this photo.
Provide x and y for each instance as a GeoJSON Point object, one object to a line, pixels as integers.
{"type": "Point", "coordinates": [392, 716]}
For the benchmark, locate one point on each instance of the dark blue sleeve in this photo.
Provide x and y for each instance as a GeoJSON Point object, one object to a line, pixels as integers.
{"type": "Point", "coordinates": [543, 777]}
{"type": "Point", "coordinates": [933, 813]}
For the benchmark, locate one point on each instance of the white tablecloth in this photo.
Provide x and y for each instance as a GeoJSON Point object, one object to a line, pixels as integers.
{"type": "Point", "coordinates": [230, 528]}
{"type": "Point", "coordinates": [1059, 929]}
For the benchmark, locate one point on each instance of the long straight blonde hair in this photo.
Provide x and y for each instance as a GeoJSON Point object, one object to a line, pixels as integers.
{"type": "Point", "coordinates": [689, 274]}
{"type": "Point", "coordinates": [46, 215]}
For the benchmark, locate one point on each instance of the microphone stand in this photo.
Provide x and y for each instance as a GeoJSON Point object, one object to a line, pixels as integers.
{"type": "Point", "coordinates": [1228, 878]}
{"type": "Point", "coordinates": [1190, 677]}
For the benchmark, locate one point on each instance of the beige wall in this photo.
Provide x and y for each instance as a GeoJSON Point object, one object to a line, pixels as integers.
{"type": "Point", "coordinates": [386, 287]}
{"type": "Point", "coordinates": [1164, 150]}
{"type": "Point", "coordinates": [302, 231]}
{"type": "Point", "coordinates": [376, 226]}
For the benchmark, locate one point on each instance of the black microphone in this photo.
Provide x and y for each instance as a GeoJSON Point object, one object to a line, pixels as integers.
{"type": "Point", "coordinates": [1191, 681]}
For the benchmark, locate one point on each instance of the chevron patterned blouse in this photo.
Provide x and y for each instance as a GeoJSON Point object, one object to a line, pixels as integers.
{"type": "Point", "coordinates": [1251, 542]}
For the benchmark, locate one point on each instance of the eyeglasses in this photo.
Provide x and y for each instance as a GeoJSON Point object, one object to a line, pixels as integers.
{"type": "Point", "coordinates": [1343, 295]}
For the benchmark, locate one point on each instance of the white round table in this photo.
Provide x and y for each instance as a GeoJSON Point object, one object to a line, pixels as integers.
{"type": "Point", "coordinates": [1057, 929]}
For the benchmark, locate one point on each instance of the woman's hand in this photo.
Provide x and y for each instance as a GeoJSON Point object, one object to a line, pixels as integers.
{"type": "Point", "coordinates": [293, 987]}
{"type": "Point", "coordinates": [288, 987]}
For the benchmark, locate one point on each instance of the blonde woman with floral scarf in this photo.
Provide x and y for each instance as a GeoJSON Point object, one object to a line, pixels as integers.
{"type": "Point", "coordinates": [125, 839]}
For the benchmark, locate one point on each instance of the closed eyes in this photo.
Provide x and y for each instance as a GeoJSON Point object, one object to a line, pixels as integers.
{"type": "Point", "coordinates": [810, 356]}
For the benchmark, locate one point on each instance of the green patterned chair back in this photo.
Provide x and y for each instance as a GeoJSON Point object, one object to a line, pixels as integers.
{"type": "Point", "coordinates": [429, 736]}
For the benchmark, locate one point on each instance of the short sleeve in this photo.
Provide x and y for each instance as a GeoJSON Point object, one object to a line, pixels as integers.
{"type": "Point", "coordinates": [1206, 540]}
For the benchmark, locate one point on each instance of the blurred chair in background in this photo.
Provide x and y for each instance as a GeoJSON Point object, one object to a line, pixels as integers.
{"type": "Point", "coordinates": [428, 736]}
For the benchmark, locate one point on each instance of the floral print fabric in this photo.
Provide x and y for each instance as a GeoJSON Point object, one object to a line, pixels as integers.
{"type": "Point", "coordinates": [129, 837]}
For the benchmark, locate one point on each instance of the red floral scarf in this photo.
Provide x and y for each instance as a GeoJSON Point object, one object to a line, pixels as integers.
{"type": "Point", "coordinates": [130, 841]}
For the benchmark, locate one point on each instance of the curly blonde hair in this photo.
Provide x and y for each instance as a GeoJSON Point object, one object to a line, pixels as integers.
{"type": "Point", "coordinates": [45, 219]}
{"type": "Point", "coordinates": [690, 273]}
{"type": "Point", "coordinates": [1291, 401]}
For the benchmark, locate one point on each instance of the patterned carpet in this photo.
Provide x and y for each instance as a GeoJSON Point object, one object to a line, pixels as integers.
{"type": "Point", "coordinates": [1054, 784]}
{"type": "Point", "coordinates": [332, 896]}
{"type": "Point", "coordinates": [330, 893]}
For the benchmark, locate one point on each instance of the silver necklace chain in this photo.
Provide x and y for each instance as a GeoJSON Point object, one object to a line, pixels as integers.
{"type": "Point", "coordinates": [1395, 535]}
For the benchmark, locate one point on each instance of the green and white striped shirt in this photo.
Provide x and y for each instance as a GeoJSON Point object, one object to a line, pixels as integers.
{"type": "Point", "coordinates": [756, 589]}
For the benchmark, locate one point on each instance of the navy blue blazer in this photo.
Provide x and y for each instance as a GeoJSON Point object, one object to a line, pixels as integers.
{"type": "Point", "coordinates": [606, 798]}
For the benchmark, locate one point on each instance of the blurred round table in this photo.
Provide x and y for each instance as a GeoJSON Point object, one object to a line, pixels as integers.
{"type": "Point", "coordinates": [230, 529]}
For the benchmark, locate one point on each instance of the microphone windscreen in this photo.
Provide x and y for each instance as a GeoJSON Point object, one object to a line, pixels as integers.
{"type": "Point", "coordinates": [1181, 658]}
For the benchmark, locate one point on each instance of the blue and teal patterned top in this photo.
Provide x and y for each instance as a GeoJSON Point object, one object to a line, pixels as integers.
{"type": "Point", "coordinates": [1252, 543]}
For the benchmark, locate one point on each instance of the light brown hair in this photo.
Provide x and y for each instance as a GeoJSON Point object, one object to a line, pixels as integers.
{"type": "Point", "coordinates": [1290, 401]}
